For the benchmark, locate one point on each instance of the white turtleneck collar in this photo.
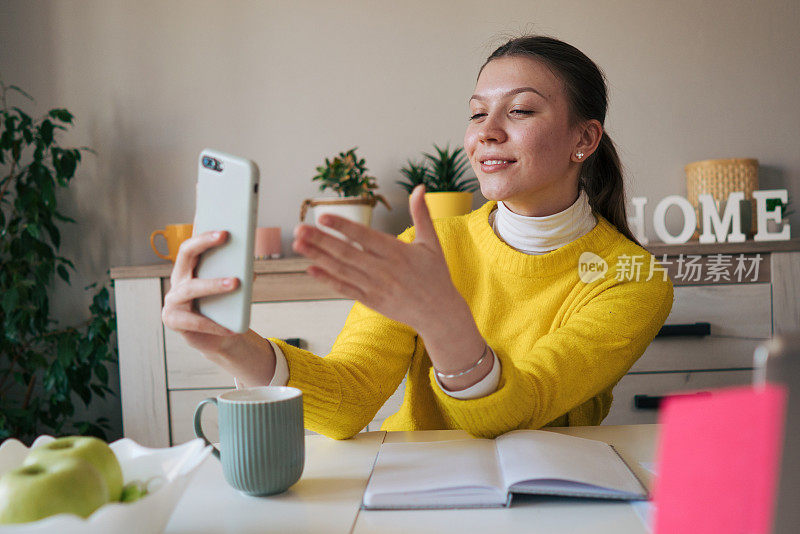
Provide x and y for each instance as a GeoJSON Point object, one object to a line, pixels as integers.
{"type": "Point", "coordinates": [538, 235]}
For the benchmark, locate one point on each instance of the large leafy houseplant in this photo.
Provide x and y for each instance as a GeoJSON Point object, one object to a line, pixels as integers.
{"type": "Point", "coordinates": [43, 368]}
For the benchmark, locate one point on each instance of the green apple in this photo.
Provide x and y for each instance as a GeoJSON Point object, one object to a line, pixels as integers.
{"type": "Point", "coordinates": [93, 450]}
{"type": "Point", "coordinates": [133, 491]}
{"type": "Point", "coordinates": [53, 486]}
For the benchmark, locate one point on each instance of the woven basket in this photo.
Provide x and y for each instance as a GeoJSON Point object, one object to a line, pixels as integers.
{"type": "Point", "coordinates": [719, 178]}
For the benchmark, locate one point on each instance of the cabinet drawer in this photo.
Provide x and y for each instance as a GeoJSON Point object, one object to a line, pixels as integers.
{"type": "Point", "coordinates": [182, 403]}
{"type": "Point", "coordinates": [624, 411]}
{"type": "Point", "coordinates": [740, 319]}
{"type": "Point", "coordinates": [316, 323]}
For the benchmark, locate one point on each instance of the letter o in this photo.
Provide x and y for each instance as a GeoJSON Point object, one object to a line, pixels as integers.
{"type": "Point", "coordinates": [689, 220]}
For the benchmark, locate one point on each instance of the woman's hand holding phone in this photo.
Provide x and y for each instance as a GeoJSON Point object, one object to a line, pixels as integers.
{"type": "Point", "coordinates": [247, 356]}
{"type": "Point", "coordinates": [180, 312]}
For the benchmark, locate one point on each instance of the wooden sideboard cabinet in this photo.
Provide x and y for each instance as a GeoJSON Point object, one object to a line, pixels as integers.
{"type": "Point", "coordinates": [728, 299]}
{"type": "Point", "coordinates": [712, 331]}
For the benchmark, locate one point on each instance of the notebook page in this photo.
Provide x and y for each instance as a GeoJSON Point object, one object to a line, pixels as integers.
{"type": "Point", "coordinates": [536, 454]}
{"type": "Point", "coordinates": [436, 466]}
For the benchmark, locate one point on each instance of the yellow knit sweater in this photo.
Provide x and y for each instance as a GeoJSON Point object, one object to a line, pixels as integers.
{"type": "Point", "coordinates": [563, 344]}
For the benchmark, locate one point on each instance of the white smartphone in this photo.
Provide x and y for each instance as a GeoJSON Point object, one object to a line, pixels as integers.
{"type": "Point", "coordinates": [227, 199]}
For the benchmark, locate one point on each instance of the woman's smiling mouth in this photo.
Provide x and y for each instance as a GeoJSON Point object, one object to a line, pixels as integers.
{"type": "Point", "coordinates": [495, 164]}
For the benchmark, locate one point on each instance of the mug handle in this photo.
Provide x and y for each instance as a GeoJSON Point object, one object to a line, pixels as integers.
{"type": "Point", "coordinates": [153, 243]}
{"type": "Point", "coordinates": [307, 203]}
{"type": "Point", "coordinates": [198, 427]}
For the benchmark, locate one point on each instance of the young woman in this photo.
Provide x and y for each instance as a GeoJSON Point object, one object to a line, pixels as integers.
{"type": "Point", "coordinates": [496, 318]}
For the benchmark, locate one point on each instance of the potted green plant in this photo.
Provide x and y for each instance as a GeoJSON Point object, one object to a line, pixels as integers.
{"type": "Point", "coordinates": [786, 211]}
{"type": "Point", "coordinates": [345, 174]}
{"type": "Point", "coordinates": [447, 191]}
{"type": "Point", "coordinates": [415, 174]}
{"type": "Point", "coordinates": [44, 368]}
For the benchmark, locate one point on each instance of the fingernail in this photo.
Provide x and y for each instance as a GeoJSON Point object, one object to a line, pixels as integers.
{"type": "Point", "coordinates": [217, 235]}
{"type": "Point", "coordinates": [228, 282]}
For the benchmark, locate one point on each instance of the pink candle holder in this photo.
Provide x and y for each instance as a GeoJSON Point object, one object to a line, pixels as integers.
{"type": "Point", "coordinates": [268, 243]}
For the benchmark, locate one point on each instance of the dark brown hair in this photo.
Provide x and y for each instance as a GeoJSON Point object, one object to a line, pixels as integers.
{"type": "Point", "coordinates": [587, 97]}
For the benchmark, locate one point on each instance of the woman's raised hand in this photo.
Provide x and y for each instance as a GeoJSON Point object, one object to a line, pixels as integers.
{"type": "Point", "coordinates": [180, 313]}
{"type": "Point", "coordinates": [407, 282]}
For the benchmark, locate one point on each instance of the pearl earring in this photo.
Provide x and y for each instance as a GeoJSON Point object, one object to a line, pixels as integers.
{"type": "Point", "coordinates": [579, 154]}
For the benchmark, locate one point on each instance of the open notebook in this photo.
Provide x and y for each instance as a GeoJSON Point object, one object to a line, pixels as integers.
{"type": "Point", "coordinates": [475, 473]}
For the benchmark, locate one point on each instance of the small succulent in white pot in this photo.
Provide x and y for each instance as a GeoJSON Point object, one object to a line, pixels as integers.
{"type": "Point", "coordinates": [345, 174]}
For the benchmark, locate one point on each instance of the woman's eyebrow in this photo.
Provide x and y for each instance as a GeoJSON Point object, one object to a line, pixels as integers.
{"type": "Point", "coordinates": [512, 92]}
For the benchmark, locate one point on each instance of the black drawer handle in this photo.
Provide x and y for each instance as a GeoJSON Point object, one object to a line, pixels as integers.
{"type": "Point", "coordinates": [293, 341]}
{"type": "Point", "coordinates": [653, 402]}
{"type": "Point", "coordinates": [691, 329]}
{"type": "Point", "coordinates": [646, 402]}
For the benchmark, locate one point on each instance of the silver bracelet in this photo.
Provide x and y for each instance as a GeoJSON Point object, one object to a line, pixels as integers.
{"type": "Point", "coordinates": [462, 373]}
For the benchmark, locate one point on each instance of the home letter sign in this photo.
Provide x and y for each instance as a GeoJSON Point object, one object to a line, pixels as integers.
{"type": "Point", "coordinates": [715, 229]}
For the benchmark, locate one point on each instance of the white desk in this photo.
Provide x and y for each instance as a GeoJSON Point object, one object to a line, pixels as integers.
{"type": "Point", "coordinates": [328, 496]}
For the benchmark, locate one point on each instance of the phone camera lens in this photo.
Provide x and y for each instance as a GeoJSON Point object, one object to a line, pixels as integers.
{"type": "Point", "coordinates": [212, 163]}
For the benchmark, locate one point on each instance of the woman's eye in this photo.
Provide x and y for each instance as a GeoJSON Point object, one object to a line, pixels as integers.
{"type": "Point", "coordinates": [519, 111]}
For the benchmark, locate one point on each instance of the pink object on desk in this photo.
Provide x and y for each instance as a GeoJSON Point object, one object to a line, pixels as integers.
{"type": "Point", "coordinates": [268, 243]}
{"type": "Point", "coordinates": [717, 461]}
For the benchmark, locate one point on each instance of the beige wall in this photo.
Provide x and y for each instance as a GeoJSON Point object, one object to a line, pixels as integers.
{"type": "Point", "coordinates": [287, 83]}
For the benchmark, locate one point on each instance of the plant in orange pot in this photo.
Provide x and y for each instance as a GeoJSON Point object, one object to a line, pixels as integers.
{"type": "Point", "coordinates": [347, 175]}
{"type": "Point", "coordinates": [448, 191]}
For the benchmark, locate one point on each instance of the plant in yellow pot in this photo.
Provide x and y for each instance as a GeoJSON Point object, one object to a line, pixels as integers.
{"type": "Point", "coordinates": [448, 192]}
{"type": "Point", "coordinates": [347, 175]}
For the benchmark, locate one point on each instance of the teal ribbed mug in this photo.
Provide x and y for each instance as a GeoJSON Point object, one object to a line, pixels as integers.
{"type": "Point", "coordinates": [261, 437]}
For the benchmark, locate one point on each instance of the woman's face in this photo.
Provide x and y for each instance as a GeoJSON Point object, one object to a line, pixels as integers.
{"type": "Point", "coordinates": [518, 139]}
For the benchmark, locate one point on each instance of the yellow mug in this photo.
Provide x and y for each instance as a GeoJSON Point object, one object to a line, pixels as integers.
{"type": "Point", "coordinates": [175, 234]}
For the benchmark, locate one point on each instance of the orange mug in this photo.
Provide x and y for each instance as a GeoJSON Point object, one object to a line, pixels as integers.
{"type": "Point", "coordinates": [175, 234]}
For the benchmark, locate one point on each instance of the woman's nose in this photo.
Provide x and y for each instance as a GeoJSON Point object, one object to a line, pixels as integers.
{"type": "Point", "coordinates": [491, 130]}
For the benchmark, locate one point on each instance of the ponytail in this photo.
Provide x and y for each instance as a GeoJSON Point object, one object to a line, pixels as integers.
{"type": "Point", "coordinates": [601, 178]}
